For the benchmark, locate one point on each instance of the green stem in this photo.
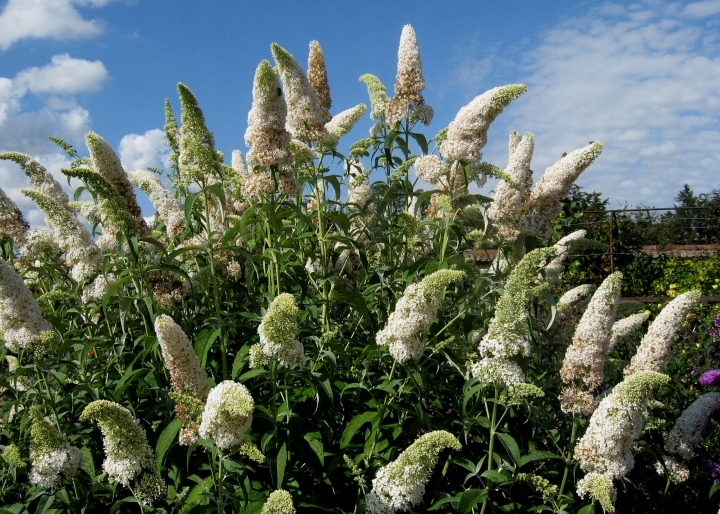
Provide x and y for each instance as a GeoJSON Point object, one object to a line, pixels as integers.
{"type": "Point", "coordinates": [220, 479]}
{"type": "Point", "coordinates": [568, 457]}
{"type": "Point", "coordinates": [381, 413]}
{"type": "Point", "coordinates": [491, 448]}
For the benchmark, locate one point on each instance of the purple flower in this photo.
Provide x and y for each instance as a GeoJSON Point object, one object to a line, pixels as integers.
{"type": "Point", "coordinates": [710, 378]}
{"type": "Point", "coordinates": [710, 466]}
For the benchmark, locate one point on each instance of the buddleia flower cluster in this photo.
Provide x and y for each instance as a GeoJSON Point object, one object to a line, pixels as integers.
{"type": "Point", "coordinates": [401, 484]}
{"type": "Point", "coordinates": [168, 207]}
{"type": "Point", "coordinates": [605, 450]}
{"type": "Point", "coordinates": [555, 267]}
{"type": "Point", "coordinates": [12, 222]}
{"type": "Point", "coordinates": [279, 502]}
{"type": "Point", "coordinates": [128, 456]}
{"type": "Point", "coordinates": [379, 102]}
{"type": "Point", "coordinates": [53, 458]}
{"type": "Point", "coordinates": [277, 331]}
{"type": "Point", "coordinates": [515, 207]}
{"type": "Point", "coordinates": [266, 135]}
{"type": "Point", "coordinates": [342, 123]}
{"type": "Point", "coordinates": [318, 78]}
{"type": "Point", "coordinates": [305, 115]}
{"type": "Point", "coordinates": [188, 379]}
{"type": "Point", "coordinates": [688, 430]}
{"type": "Point", "coordinates": [583, 367]}
{"type": "Point", "coordinates": [21, 320]}
{"type": "Point", "coordinates": [227, 414]}
{"type": "Point", "coordinates": [408, 102]}
{"type": "Point", "coordinates": [414, 314]}
{"type": "Point", "coordinates": [655, 347]}
{"type": "Point", "coordinates": [508, 335]}
{"type": "Point", "coordinates": [81, 254]}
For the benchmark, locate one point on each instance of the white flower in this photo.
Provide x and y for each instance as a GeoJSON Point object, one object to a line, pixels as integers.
{"type": "Point", "coordinates": [623, 327]}
{"type": "Point", "coordinates": [343, 123]}
{"type": "Point", "coordinates": [655, 347]}
{"type": "Point", "coordinates": [467, 133]}
{"type": "Point", "coordinates": [430, 168]}
{"type": "Point", "coordinates": [168, 207]}
{"type": "Point", "coordinates": [227, 414]}
{"type": "Point", "coordinates": [12, 223]}
{"type": "Point", "coordinates": [278, 329]}
{"type": "Point", "coordinates": [186, 374]}
{"type": "Point", "coordinates": [498, 371]}
{"type": "Point", "coordinates": [401, 484]}
{"type": "Point", "coordinates": [687, 432]}
{"type": "Point", "coordinates": [20, 317]}
{"type": "Point", "coordinates": [414, 314]}
{"type": "Point", "coordinates": [409, 83]}
{"type": "Point", "coordinates": [678, 471]}
{"type": "Point", "coordinates": [266, 135]}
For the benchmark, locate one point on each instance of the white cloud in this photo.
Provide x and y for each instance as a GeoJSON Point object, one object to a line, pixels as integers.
{"type": "Point", "coordinates": [27, 131]}
{"type": "Point", "coordinates": [64, 75]}
{"type": "Point", "coordinates": [56, 19]}
{"type": "Point", "coordinates": [642, 79]}
{"type": "Point", "coordinates": [139, 152]}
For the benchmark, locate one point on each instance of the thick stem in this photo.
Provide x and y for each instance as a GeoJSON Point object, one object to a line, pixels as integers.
{"type": "Point", "coordinates": [568, 457]}
{"type": "Point", "coordinates": [491, 448]}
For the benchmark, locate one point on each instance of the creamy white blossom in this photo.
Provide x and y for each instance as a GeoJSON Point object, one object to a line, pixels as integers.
{"type": "Point", "coordinates": [467, 133]}
{"type": "Point", "coordinates": [305, 116]}
{"type": "Point", "coordinates": [677, 470]}
{"type": "Point", "coordinates": [414, 314]}
{"type": "Point", "coordinates": [623, 327]}
{"type": "Point", "coordinates": [12, 223]}
{"type": "Point", "coordinates": [655, 347]}
{"type": "Point", "coordinates": [266, 135]}
{"type": "Point", "coordinates": [409, 83]}
{"type": "Point", "coordinates": [20, 317]}
{"type": "Point", "coordinates": [544, 205]}
{"type": "Point", "coordinates": [687, 432]}
{"type": "Point", "coordinates": [430, 168]}
{"type": "Point", "coordinates": [53, 458]}
{"type": "Point", "coordinates": [278, 330]}
{"type": "Point", "coordinates": [186, 374]}
{"type": "Point", "coordinates": [168, 207]}
{"type": "Point", "coordinates": [317, 76]}
{"type": "Point", "coordinates": [342, 123]}
{"type": "Point", "coordinates": [128, 456]}
{"type": "Point", "coordinates": [227, 414]}
{"type": "Point", "coordinates": [508, 205]}
{"type": "Point", "coordinates": [279, 502]}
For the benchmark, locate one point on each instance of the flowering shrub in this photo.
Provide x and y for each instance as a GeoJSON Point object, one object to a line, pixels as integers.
{"type": "Point", "coordinates": [303, 330]}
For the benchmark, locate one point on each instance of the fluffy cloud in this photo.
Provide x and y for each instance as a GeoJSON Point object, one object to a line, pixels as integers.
{"type": "Point", "coordinates": [150, 150]}
{"type": "Point", "coordinates": [643, 78]}
{"type": "Point", "coordinates": [59, 114]}
{"type": "Point", "coordinates": [57, 19]}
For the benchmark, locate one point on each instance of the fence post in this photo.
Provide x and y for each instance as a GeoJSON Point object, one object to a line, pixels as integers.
{"type": "Point", "coordinates": [612, 226]}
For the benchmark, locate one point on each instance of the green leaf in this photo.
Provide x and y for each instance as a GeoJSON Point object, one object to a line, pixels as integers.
{"type": "Point", "coordinates": [127, 380]}
{"type": "Point", "coordinates": [587, 509]}
{"type": "Point", "coordinates": [239, 361]}
{"type": "Point", "coordinates": [203, 344]}
{"type": "Point", "coordinates": [280, 463]}
{"type": "Point", "coordinates": [166, 439]}
{"type": "Point", "coordinates": [536, 455]}
{"type": "Point", "coordinates": [470, 498]}
{"type": "Point", "coordinates": [510, 445]}
{"type": "Point", "coordinates": [190, 200]}
{"type": "Point", "coordinates": [354, 426]}
{"type": "Point", "coordinates": [421, 140]}
{"type": "Point", "coordinates": [316, 446]}
{"type": "Point", "coordinates": [495, 476]}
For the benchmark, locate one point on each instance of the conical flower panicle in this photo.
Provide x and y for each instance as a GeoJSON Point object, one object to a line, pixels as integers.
{"type": "Point", "coordinates": [12, 222]}
{"type": "Point", "coordinates": [687, 432]}
{"type": "Point", "coordinates": [198, 160]}
{"type": "Point", "coordinates": [279, 502]}
{"type": "Point", "coordinates": [172, 135]}
{"type": "Point", "coordinates": [81, 254]}
{"type": "Point", "coordinates": [305, 118]}
{"type": "Point", "coordinates": [509, 200]}
{"type": "Point", "coordinates": [401, 484]}
{"type": "Point", "coordinates": [414, 314]}
{"type": "Point", "coordinates": [467, 133]}
{"type": "Point", "coordinates": [409, 83]}
{"type": "Point", "coordinates": [343, 123]}
{"type": "Point", "coordinates": [227, 414]}
{"type": "Point", "coordinates": [379, 99]}
{"type": "Point", "coordinates": [128, 456]}
{"type": "Point", "coordinates": [623, 327]}
{"type": "Point", "coordinates": [53, 458]}
{"type": "Point", "coordinates": [21, 320]}
{"type": "Point", "coordinates": [168, 207]}
{"type": "Point", "coordinates": [39, 177]}
{"type": "Point", "coordinates": [186, 373]}
{"type": "Point", "coordinates": [106, 162]}
{"type": "Point", "coordinates": [430, 168]}
{"type": "Point", "coordinates": [606, 448]}
{"type": "Point", "coordinates": [555, 267]}
{"type": "Point", "coordinates": [584, 361]}
{"type": "Point", "coordinates": [654, 349]}
{"type": "Point", "coordinates": [266, 135]}
{"type": "Point", "coordinates": [278, 330]}
{"type": "Point", "coordinates": [544, 205]}
{"type": "Point", "coordinates": [317, 75]}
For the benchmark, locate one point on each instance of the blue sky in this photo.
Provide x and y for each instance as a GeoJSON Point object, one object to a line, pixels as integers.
{"type": "Point", "coordinates": [643, 77]}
